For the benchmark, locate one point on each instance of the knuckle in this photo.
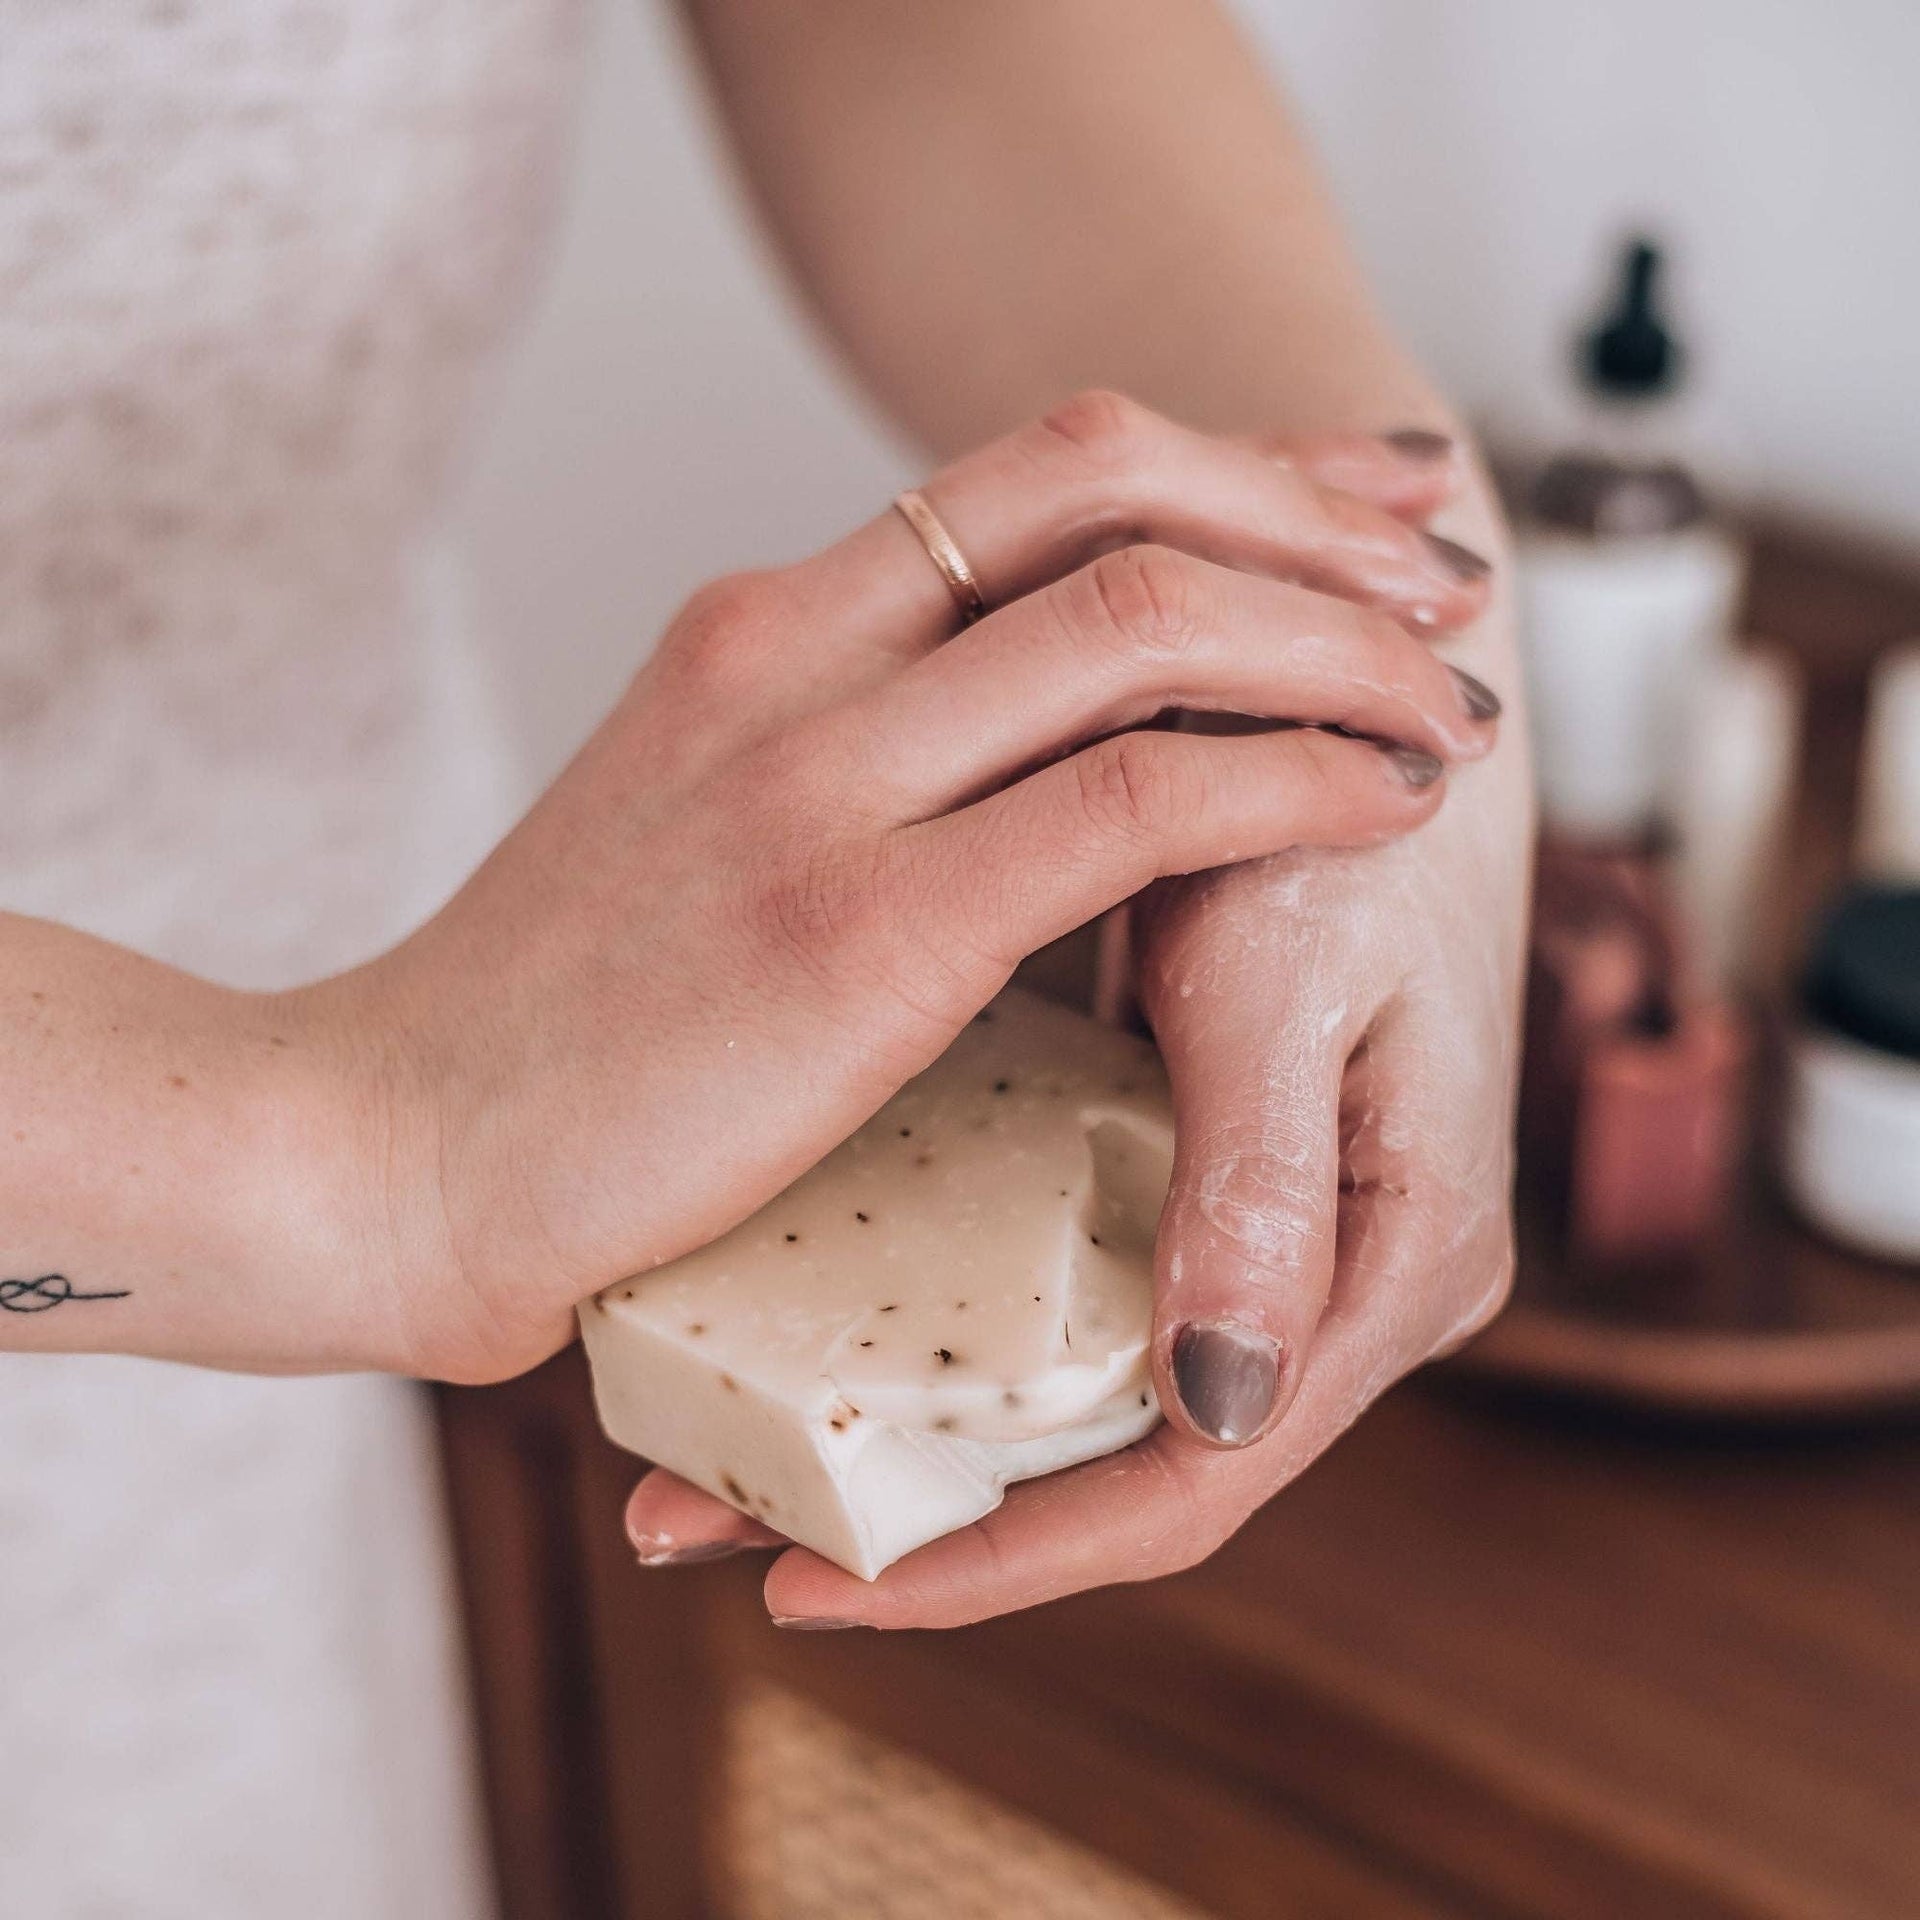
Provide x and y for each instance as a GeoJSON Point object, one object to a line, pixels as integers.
{"type": "Point", "coordinates": [1100, 425]}
{"type": "Point", "coordinates": [726, 627]}
{"type": "Point", "coordinates": [1270, 1199]}
{"type": "Point", "coordinates": [1320, 768]}
{"type": "Point", "coordinates": [1131, 786]}
{"type": "Point", "coordinates": [1146, 599]}
{"type": "Point", "coordinates": [731, 600]}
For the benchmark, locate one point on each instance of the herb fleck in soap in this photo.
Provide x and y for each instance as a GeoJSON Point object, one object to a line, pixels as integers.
{"type": "Point", "coordinates": [956, 1298]}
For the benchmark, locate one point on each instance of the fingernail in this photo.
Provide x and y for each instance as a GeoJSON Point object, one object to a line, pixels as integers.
{"type": "Point", "coordinates": [1416, 767]}
{"type": "Point", "coordinates": [1227, 1377]}
{"type": "Point", "coordinates": [1419, 443]}
{"type": "Point", "coordinates": [1479, 699]}
{"type": "Point", "coordinates": [811, 1623]}
{"type": "Point", "coordinates": [1466, 566]}
{"type": "Point", "coordinates": [662, 1553]}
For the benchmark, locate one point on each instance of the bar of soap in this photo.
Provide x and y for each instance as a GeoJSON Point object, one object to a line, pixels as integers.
{"type": "Point", "coordinates": [957, 1297]}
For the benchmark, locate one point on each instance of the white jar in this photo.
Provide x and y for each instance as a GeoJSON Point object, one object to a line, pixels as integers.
{"type": "Point", "coordinates": [1852, 1145]}
{"type": "Point", "coordinates": [1617, 631]}
{"type": "Point", "coordinates": [1851, 1150]}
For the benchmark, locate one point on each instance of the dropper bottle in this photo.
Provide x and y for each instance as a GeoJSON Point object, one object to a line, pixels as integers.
{"type": "Point", "coordinates": [1627, 585]}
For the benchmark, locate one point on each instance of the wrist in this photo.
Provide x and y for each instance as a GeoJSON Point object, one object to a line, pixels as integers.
{"type": "Point", "coordinates": [301, 1227]}
{"type": "Point", "coordinates": [422, 1136]}
{"type": "Point", "coordinates": [352, 1153]}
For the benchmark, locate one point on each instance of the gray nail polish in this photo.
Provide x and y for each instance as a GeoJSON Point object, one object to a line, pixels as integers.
{"type": "Point", "coordinates": [660, 1554]}
{"type": "Point", "coordinates": [1417, 768]}
{"type": "Point", "coordinates": [811, 1623]}
{"type": "Point", "coordinates": [1419, 443]}
{"type": "Point", "coordinates": [1227, 1377]}
{"type": "Point", "coordinates": [1479, 699]}
{"type": "Point", "coordinates": [1466, 566]}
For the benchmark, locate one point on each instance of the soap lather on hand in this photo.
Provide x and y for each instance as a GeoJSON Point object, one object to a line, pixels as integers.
{"type": "Point", "coordinates": [959, 1296]}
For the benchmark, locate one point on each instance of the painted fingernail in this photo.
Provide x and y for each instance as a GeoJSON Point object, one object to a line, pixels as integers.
{"type": "Point", "coordinates": [662, 1553]}
{"type": "Point", "coordinates": [811, 1623]}
{"type": "Point", "coordinates": [1417, 768]}
{"type": "Point", "coordinates": [1479, 699]}
{"type": "Point", "coordinates": [1419, 443]}
{"type": "Point", "coordinates": [1466, 566]}
{"type": "Point", "coordinates": [1227, 1377]}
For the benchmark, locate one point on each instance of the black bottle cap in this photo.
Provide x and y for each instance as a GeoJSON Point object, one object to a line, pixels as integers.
{"type": "Point", "coordinates": [1864, 978]}
{"type": "Point", "coordinates": [1630, 354]}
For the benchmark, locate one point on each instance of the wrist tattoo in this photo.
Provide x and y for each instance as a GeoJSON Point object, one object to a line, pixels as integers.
{"type": "Point", "coordinates": [49, 1291]}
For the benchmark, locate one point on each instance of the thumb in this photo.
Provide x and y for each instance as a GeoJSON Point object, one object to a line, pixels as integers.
{"type": "Point", "coordinates": [1246, 1247]}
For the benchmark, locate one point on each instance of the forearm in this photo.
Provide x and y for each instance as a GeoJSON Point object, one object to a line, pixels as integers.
{"type": "Point", "coordinates": [174, 1167]}
{"type": "Point", "coordinates": [995, 203]}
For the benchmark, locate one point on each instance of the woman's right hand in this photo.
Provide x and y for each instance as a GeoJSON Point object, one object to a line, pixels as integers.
{"type": "Point", "coordinates": [824, 825]}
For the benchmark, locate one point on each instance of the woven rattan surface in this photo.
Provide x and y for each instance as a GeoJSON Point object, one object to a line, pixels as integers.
{"type": "Point", "coordinates": [822, 1822]}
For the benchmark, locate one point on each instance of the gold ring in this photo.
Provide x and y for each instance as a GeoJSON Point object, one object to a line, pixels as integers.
{"type": "Point", "coordinates": [944, 551]}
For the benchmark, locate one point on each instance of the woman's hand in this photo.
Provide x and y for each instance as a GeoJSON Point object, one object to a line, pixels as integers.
{"type": "Point", "coordinates": [1340, 1031]}
{"type": "Point", "coordinates": [823, 827]}
{"type": "Point", "coordinates": [1344, 1180]}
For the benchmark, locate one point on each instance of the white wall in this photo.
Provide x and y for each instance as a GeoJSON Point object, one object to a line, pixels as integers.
{"type": "Point", "coordinates": [668, 418]}
{"type": "Point", "coordinates": [1486, 150]}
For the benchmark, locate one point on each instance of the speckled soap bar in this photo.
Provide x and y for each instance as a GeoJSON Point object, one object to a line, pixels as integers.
{"type": "Point", "coordinates": [957, 1297]}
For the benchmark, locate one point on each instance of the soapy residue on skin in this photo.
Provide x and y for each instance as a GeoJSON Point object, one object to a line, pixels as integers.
{"type": "Point", "coordinates": [1394, 987]}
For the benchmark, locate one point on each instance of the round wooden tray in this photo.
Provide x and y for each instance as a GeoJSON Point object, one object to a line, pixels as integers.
{"type": "Point", "coordinates": [1769, 1323]}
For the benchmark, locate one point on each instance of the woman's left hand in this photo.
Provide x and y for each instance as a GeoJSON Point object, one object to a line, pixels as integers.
{"type": "Point", "coordinates": [1341, 1033]}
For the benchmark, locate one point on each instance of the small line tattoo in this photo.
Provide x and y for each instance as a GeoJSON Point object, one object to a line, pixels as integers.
{"type": "Point", "coordinates": [49, 1291]}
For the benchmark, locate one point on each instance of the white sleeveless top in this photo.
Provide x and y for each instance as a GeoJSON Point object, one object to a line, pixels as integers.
{"type": "Point", "coordinates": [254, 260]}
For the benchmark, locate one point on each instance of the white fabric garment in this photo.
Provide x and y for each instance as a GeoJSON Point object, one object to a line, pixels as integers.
{"type": "Point", "coordinates": [254, 259]}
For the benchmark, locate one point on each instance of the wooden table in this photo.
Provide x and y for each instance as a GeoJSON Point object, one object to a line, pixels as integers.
{"type": "Point", "coordinates": [1478, 1661]}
